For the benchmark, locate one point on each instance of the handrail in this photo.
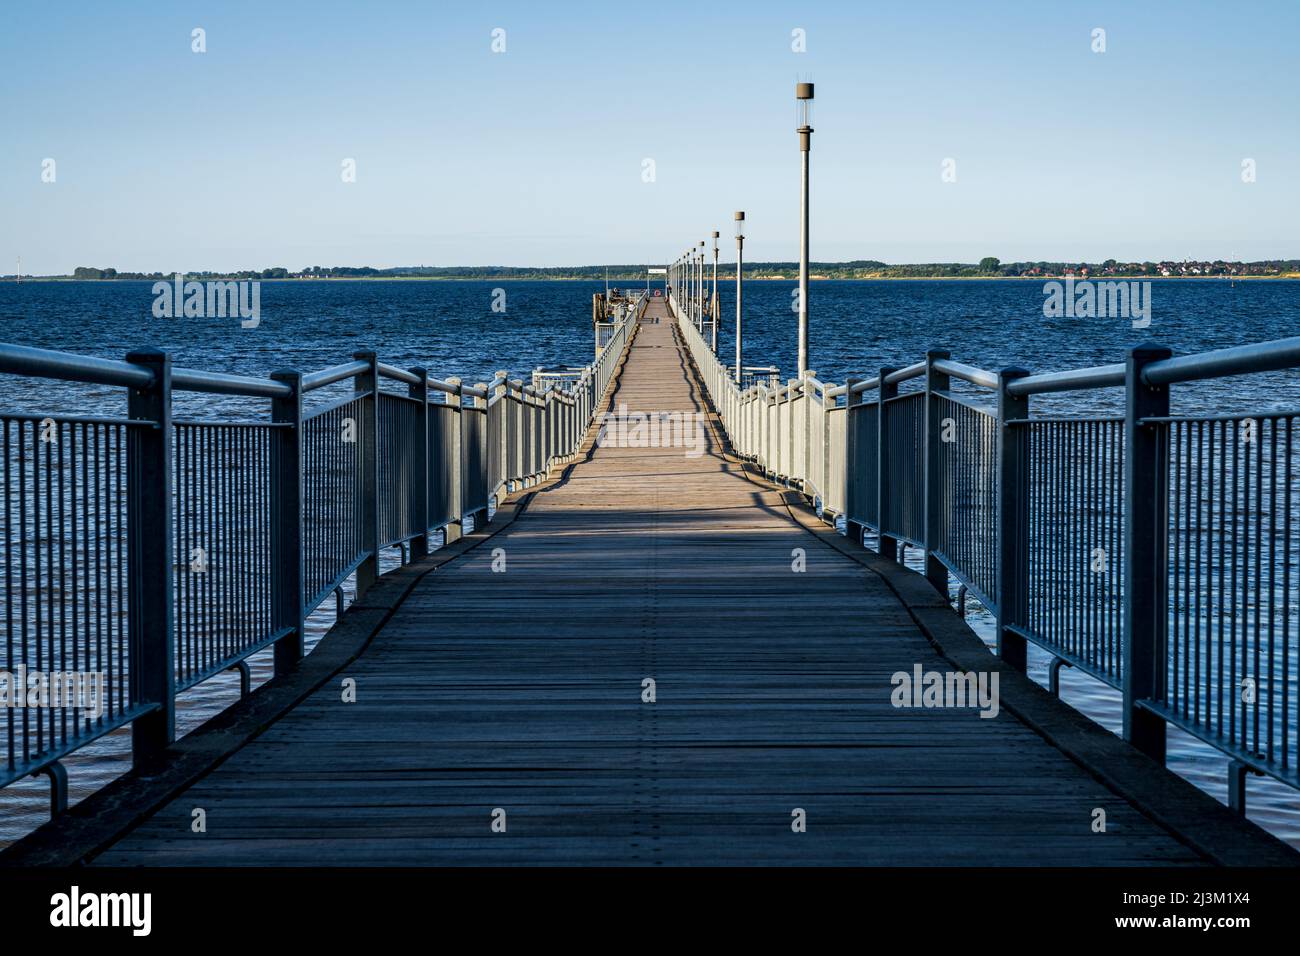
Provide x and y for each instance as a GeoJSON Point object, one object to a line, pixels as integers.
{"type": "Point", "coordinates": [903, 374]}
{"type": "Point", "coordinates": [329, 376]}
{"type": "Point", "coordinates": [1242, 359]}
{"type": "Point", "coordinates": [968, 373]}
{"type": "Point", "coordinates": [400, 374]}
{"type": "Point", "coordinates": [1079, 379]}
{"type": "Point", "coordinates": [450, 388]}
{"type": "Point", "coordinates": [45, 363]}
{"type": "Point", "coordinates": [303, 500]}
{"type": "Point", "coordinates": [989, 493]}
{"type": "Point", "coordinates": [219, 383]}
{"type": "Point", "coordinates": [867, 384]}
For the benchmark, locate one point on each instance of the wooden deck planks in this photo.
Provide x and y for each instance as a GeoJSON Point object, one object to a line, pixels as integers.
{"type": "Point", "coordinates": [522, 690]}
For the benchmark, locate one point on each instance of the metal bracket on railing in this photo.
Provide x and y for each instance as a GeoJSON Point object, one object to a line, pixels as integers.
{"type": "Point", "coordinates": [405, 554]}
{"type": "Point", "coordinates": [58, 775]}
{"type": "Point", "coordinates": [961, 601]}
{"type": "Point", "coordinates": [245, 677]}
{"type": "Point", "coordinates": [338, 602]}
{"type": "Point", "coordinates": [1237, 772]}
{"type": "Point", "coordinates": [1054, 675]}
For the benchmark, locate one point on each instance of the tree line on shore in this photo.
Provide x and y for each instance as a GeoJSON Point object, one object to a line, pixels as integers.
{"type": "Point", "coordinates": [989, 267]}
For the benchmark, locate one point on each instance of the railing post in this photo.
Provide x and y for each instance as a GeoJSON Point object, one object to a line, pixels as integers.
{"type": "Point", "coordinates": [888, 543]}
{"type": "Point", "coordinates": [771, 427]}
{"type": "Point", "coordinates": [456, 493]}
{"type": "Point", "coordinates": [536, 428]}
{"type": "Point", "coordinates": [853, 530]}
{"type": "Point", "coordinates": [420, 392]}
{"type": "Point", "coordinates": [806, 394]}
{"type": "Point", "coordinates": [935, 382]}
{"type": "Point", "coordinates": [503, 439]}
{"type": "Point", "coordinates": [1146, 552]}
{"type": "Point", "coordinates": [149, 559]}
{"type": "Point", "coordinates": [519, 434]}
{"type": "Point", "coordinates": [287, 598]}
{"type": "Point", "coordinates": [1013, 521]}
{"type": "Point", "coordinates": [789, 457]}
{"type": "Point", "coordinates": [570, 426]}
{"type": "Point", "coordinates": [367, 383]}
{"type": "Point", "coordinates": [549, 414]}
{"type": "Point", "coordinates": [740, 410]}
{"type": "Point", "coordinates": [481, 404]}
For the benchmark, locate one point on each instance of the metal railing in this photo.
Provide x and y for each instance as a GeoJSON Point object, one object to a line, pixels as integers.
{"type": "Point", "coordinates": [1159, 554]}
{"type": "Point", "coordinates": [158, 552]}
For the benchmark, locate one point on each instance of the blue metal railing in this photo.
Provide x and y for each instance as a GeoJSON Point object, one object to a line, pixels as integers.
{"type": "Point", "coordinates": [154, 553]}
{"type": "Point", "coordinates": [1159, 554]}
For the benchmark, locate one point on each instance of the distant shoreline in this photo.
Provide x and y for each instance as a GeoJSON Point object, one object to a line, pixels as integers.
{"type": "Point", "coordinates": [629, 281]}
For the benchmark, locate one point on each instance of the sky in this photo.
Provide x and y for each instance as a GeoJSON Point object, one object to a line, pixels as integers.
{"type": "Point", "coordinates": [166, 159]}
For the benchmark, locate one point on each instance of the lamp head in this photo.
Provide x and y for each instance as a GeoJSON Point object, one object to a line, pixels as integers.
{"type": "Point", "coordinates": [803, 94]}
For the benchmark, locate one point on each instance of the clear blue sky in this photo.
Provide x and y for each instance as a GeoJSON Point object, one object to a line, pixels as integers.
{"type": "Point", "coordinates": [170, 160]}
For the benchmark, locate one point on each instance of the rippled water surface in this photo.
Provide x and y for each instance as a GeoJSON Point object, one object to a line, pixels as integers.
{"type": "Point", "coordinates": [451, 329]}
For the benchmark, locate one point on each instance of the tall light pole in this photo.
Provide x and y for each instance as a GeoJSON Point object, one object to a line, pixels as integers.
{"type": "Point", "coordinates": [688, 277]}
{"type": "Point", "coordinates": [681, 283]}
{"type": "Point", "coordinates": [740, 288]}
{"type": "Point", "coordinates": [803, 93]}
{"type": "Point", "coordinates": [713, 300]}
{"type": "Point", "coordinates": [699, 301]}
{"type": "Point", "coordinates": [688, 259]}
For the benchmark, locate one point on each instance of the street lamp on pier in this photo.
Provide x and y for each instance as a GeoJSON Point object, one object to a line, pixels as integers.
{"type": "Point", "coordinates": [740, 287]}
{"type": "Point", "coordinates": [713, 299]}
{"type": "Point", "coordinates": [803, 96]}
{"type": "Point", "coordinates": [699, 299]}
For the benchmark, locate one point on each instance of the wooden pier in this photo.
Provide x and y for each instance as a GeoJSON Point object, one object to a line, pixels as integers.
{"type": "Point", "coordinates": [501, 710]}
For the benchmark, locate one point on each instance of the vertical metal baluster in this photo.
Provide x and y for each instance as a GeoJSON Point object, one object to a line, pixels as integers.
{"type": "Point", "coordinates": [9, 581]}
{"type": "Point", "coordinates": [1287, 674]}
{"type": "Point", "coordinates": [1178, 592]}
{"type": "Point", "coordinates": [1272, 580]}
{"type": "Point", "coordinates": [1235, 551]}
{"type": "Point", "coordinates": [1259, 577]}
{"type": "Point", "coordinates": [1204, 519]}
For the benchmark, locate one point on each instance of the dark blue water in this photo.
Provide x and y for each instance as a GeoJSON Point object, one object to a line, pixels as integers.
{"type": "Point", "coordinates": [451, 329]}
{"type": "Point", "coordinates": [855, 328]}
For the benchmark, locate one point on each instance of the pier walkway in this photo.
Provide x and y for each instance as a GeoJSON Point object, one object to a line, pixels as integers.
{"type": "Point", "coordinates": [510, 686]}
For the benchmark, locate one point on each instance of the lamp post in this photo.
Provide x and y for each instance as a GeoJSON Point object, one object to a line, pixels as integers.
{"type": "Point", "coordinates": [689, 279]}
{"type": "Point", "coordinates": [699, 301]}
{"type": "Point", "coordinates": [740, 287]}
{"type": "Point", "coordinates": [713, 300]}
{"type": "Point", "coordinates": [689, 260]}
{"type": "Point", "coordinates": [677, 283]}
{"type": "Point", "coordinates": [803, 95]}
{"type": "Point", "coordinates": [690, 284]}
